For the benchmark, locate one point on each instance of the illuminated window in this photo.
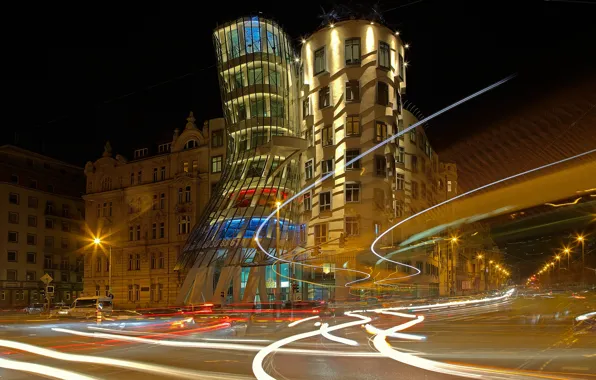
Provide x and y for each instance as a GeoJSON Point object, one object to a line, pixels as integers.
{"type": "Point", "coordinates": [216, 164]}
{"type": "Point", "coordinates": [352, 91]}
{"type": "Point", "coordinates": [449, 186]}
{"type": "Point", "coordinates": [233, 43]}
{"type": "Point", "coordinates": [252, 36]}
{"type": "Point", "coordinates": [352, 192]}
{"type": "Point", "coordinates": [384, 55]}
{"type": "Point", "coordinates": [307, 201]}
{"type": "Point", "coordinates": [238, 80]}
{"type": "Point", "coordinates": [255, 76]}
{"type": "Point", "coordinates": [399, 181]}
{"type": "Point", "coordinates": [274, 78]}
{"type": "Point", "coordinates": [352, 226]}
{"type": "Point", "coordinates": [382, 93]}
{"type": "Point", "coordinates": [327, 135]}
{"type": "Point", "coordinates": [327, 166]}
{"type": "Point", "coordinates": [320, 64]}
{"type": "Point", "coordinates": [352, 51]}
{"type": "Point", "coordinates": [353, 125]}
{"type": "Point", "coordinates": [257, 108]}
{"type": "Point", "coordinates": [380, 131]}
{"type": "Point", "coordinates": [325, 201]}
{"type": "Point", "coordinates": [399, 209]}
{"type": "Point", "coordinates": [350, 155]}
{"type": "Point", "coordinates": [324, 97]}
{"type": "Point", "coordinates": [273, 45]}
{"type": "Point", "coordinates": [401, 156]}
{"type": "Point", "coordinates": [308, 169]}
{"type": "Point", "coordinates": [277, 108]}
{"type": "Point", "coordinates": [184, 224]}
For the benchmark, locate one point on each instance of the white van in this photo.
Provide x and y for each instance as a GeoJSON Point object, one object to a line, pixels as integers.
{"type": "Point", "coordinates": [87, 307]}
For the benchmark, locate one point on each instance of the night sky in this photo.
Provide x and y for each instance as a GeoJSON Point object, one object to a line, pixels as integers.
{"type": "Point", "coordinates": [77, 77]}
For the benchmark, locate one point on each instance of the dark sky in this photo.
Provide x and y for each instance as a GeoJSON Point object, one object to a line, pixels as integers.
{"type": "Point", "coordinates": [77, 77]}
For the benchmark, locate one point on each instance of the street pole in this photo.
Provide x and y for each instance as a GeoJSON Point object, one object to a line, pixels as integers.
{"type": "Point", "coordinates": [277, 248]}
{"type": "Point", "coordinates": [110, 272]}
{"type": "Point", "coordinates": [583, 263]}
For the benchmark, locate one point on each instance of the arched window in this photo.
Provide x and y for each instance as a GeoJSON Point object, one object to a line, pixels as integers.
{"type": "Point", "coordinates": [106, 184]}
{"type": "Point", "coordinates": [190, 144]}
{"type": "Point", "coordinates": [187, 194]}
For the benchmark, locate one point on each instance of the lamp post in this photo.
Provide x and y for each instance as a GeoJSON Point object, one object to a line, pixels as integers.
{"type": "Point", "coordinates": [568, 252]}
{"type": "Point", "coordinates": [453, 284]}
{"type": "Point", "coordinates": [581, 239]}
{"type": "Point", "coordinates": [97, 242]}
{"type": "Point", "coordinates": [490, 264]}
{"type": "Point", "coordinates": [277, 248]}
{"type": "Point", "coordinates": [479, 259]}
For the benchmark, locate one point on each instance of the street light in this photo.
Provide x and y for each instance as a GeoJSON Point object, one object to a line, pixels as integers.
{"type": "Point", "coordinates": [581, 239]}
{"type": "Point", "coordinates": [278, 275]}
{"type": "Point", "coordinates": [568, 252]}
{"type": "Point", "coordinates": [453, 281]}
{"type": "Point", "coordinates": [97, 242]}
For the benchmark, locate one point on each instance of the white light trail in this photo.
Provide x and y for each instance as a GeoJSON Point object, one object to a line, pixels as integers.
{"type": "Point", "coordinates": [372, 247]}
{"type": "Point", "coordinates": [302, 320]}
{"type": "Point", "coordinates": [257, 363]}
{"type": "Point", "coordinates": [42, 370]}
{"type": "Point", "coordinates": [323, 178]}
{"type": "Point", "coordinates": [325, 332]}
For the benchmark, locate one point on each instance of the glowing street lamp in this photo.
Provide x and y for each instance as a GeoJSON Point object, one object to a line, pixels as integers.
{"type": "Point", "coordinates": [582, 240]}
{"type": "Point", "coordinates": [97, 242]}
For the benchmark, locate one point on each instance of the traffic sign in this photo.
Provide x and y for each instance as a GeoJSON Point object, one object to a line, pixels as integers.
{"type": "Point", "coordinates": [46, 279]}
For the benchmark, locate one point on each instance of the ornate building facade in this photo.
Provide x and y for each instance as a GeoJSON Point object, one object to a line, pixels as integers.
{"type": "Point", "coordinates": [141, 211]}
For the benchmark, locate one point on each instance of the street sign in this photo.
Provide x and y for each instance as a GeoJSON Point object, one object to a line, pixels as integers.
{"type": "Point", "coordinates": [50, 289]}
{"type": "Point", "coordinates": [46, 279]}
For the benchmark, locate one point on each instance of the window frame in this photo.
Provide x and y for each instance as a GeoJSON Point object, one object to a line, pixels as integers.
{"type": "Point", "coordinates": [320, 53]}
{"type": "Point", "coordinates": [382, 49]}
{"type": "Point", "coordinates": [382, 93]}
{"type": "Point", "coordinates": [308, 177]}
{"type": "Point", "coordinates": [324, 97]}
{"type": "Point", "coordinates": [355, 190]}
{"type": "Point", "coordinates": [354, 87]}
{"type": "Point", "coordinates": [214, 164]}
{"type": "Point", "coordinates": [355, 165]}
{"type": "Point", "coordinates": [349, 44]}
{"type": "Point", "coordinates": [350, 122]}
{"type": "Point", "coordinates": [323, 207]}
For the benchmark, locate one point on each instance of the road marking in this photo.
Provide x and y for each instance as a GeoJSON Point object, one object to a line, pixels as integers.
{"type": "Point", "coordinates": [575, 368]}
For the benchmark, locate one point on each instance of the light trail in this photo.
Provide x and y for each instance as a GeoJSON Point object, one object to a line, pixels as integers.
{"type": "Point", "coordinates": [372, 247]}
{"type": "Point", "coordinates": [330, 174]}
{"type": "Point", "coordinates": [42, 370]}
{"type": "Point", "coordinates": [257, 363]}
{"type": "Point", "coordinates": [325, 332]}
{"type": "Point", "coordinates": [302, 320]}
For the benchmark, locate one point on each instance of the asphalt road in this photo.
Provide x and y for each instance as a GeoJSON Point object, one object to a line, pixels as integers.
{"type": "Point", "coordinates": [519, 337]}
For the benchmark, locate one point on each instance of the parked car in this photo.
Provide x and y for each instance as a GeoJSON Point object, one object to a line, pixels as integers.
{"type": "Point", "coordinates": [34, 308]}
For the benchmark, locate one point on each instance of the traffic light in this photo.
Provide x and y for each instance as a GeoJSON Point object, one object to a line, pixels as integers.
{"type": "Point", "coordinates": [223, 295]}
{"type": "Point", "coordinates": [295, 287]}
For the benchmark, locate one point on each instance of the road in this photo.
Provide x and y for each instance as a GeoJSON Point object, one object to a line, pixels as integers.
{"type": "Point", "coordinates": [512, 338]}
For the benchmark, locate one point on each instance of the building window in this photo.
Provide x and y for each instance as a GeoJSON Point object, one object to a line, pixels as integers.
{"type": "Point", "coordinates": [11, 275]}
{"type": "Point", "coordinates": [327, 166]}
{"type": "Point", "coordinates": [380, 166]}
{"type": "Point", "coordinates": [109, 208]}
{"type": "Point", "coordinates": [32, 183]}
{"type": "Point", "coordinates": [12, 256]}
{"type": "Point", "coordinates": [31, 239]}
{"type": "Point", "coordinates": [217, 138]}
{"type": "Point", "coordinates": [31, 257]}
{"type": "Point", "coordinates": [48, 242]}
{"type": "Point", "coordinates": [380, 131]}
{"type": "Point", "coordinates": [13, 198]}
{"type": "Point", "coordinates": [162, 261]}
{"type": "Point", "coordinates": [131, 262]}
{"type": "Point", "coordinates": [187, 194]}
{"type": "Point", "coordinates": [31, 276]}
{"type": "Point", "coordinates": [306, 107]}
{"type": "Point", "coordinates": [352, 51]}
{"type": "Point", "coordinates": [138, 261]}
{"type": "Point", "coordinates": [353, 125]}
{"type": "Point", "coordinates": [414, 161]}
{"type": "Point", "coordinates": [140, 177]}
{"type": "Point", "coordinates": [184, 224]}
{"type": "Point", "coordinates": [162, 230]}
{"type": "Point", "coordinates": [14, 178]}
{"type": "Point", "coordinates": [32, 202]}
{"type": "Point", "coordinates": [308, 169]}
{"type": "Point", "coordinates": [164, 148]}
{"type": "Point", "coordinates": [154, 174]}
{"type": "Point", "coordinates": [191, 144]}
{"type": "Point", "coordinates": [163, 173]}
{"type": "Point", "coordinates": [216, 164]}
{"type": "Point", "coordinates": [307, 201]}
{"type": "Point", "coordinates": [352, 91]}
{"type": "Point", "coordinates": [325, 201]}
{"type": "Point", "coordinates": [131, 233]}
{"type": "Point", "coordinates": [399, 182]}
{"type": "Point", "coordinates": [382, 93]}
{"type": "Point", "coordinates": [13, 217]}
{"type": "Point", "coordinates": [195, 165]}
{"type": "Point", "coordinates": [64, 243]}
{"type": "Point", "coordinates": [321, 233]}
{"type": "Point", "coordinates": [350, 155]}
{"type": "Point", "coordinates": [327, 135]}
{"type": "Point", "coordinates": [132, 178]}
{"type": "Point", "coordinates": [274, 78]}
{"type": "Point", "coordinates": [401, 156]}
{"type": "Point", "coordinates": [65, 227]}
{"type": "Point", "coordinates": [352, 192]}
{"type": "Point", "coordinates": [448, 186]}
{"type": "Point", "coordinates": [13, 237]}
{"type": "Point", "coordinates": [32, 221]}
{"type": "Point", "coordinates": [414, 189]}
{"type": "Point", "coordinates": [324, 97]}
{"type": "Point", "coordinates": [48, 261]}
{"type": "Point", "coordinates": [98, 265]}
{"type": "Point", "coordinates": [352, 226]}
{"type": "Point", "coordinates": [138, 232]}
{"type": "Point", "coordinates": [185, 167]}
{"type": "Point", "coordinates": [106, 184]}
{"type": "Point", "coordinates": [154, 231]}
{"type": "Point", "coordinates": [180, 195]}
{"type": "Point", "coordinates": [384, 55]}
{"type": "Point", "coordinates": [413, 135]}
{"type": "Point", "coordinates": [320, 65]}
{"type": "Point", "coordinates": [141, 152]}
{"type": "Point", "coordinates": [255, 76]}
{"type": "Point", "coordinates": [162, 201]}
{"type": "Point", "coordinates": [153, 261]}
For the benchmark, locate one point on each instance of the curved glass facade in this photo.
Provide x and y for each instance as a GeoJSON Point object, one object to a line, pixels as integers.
{"type": "Point", "coordinates": [258, 84]}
